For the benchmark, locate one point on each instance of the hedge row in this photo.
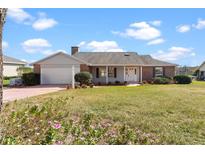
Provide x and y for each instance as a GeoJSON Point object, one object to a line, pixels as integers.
{"type": "Point", "coordinates": [31, 79]}
{"type": "Point", "coordinates": [178, 79]}
{"type": "Point", "coordinates": [182, 79]}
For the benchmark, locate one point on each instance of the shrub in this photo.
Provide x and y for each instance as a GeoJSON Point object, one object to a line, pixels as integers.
{"type": "Point", "coordinates": [161, 80]}
{"type": "Point", "coordinates": [31, 79]}
{"type": "Point", "coordinates": [84, 86]}
{"type": "Point", "coordinates": [117, 82]}
{"type": "Point", "coordinates": [91, 85]}
{"type": "Point", "coordinates": [22, 70]}
{"type": "Point", "coordinates": [182, 79]}
{"type": "Point", "coordinates": [83, 77]}
{"type": "Point", "coordinates": [77, 86]}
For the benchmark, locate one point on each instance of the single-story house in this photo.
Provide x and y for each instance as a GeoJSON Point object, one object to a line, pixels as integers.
{"type": "Point", "coordinates": [10, 66]}
{"type": "Point", "coordinates": [201, 71]}
{"type": "Point", "coordinates": [105, 67]}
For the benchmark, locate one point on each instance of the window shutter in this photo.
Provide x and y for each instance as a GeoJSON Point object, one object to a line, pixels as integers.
{"type": "Point", "coordinates": [163, 71]}
{"type": "Point", "coordinates": [153, 72]}
{"type": "Point", "coordinates": [115, 72]}
{"type": "Point", "coordinates": [97, 72]}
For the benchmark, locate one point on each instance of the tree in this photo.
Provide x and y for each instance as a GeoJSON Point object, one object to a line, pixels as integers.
{"type": "Point", "coordinates": [2, 21]}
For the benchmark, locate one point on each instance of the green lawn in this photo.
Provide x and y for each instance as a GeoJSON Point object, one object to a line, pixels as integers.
{"type": "Point", "coordinates": [158, 114]}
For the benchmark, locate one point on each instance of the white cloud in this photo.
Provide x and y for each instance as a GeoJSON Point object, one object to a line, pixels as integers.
{"type": "Point", "coordinates": [183, 28]}
{"type": "Point", "coordinates": [35, 45]}
{"type": "Point", "coordinates": [5, 45]}
{"type": "Point", "coordinates": [43, 22]}
{"type": "Point", "coordinates": [81, 43]}
{"type": "Point", "coordinates": [200, 24]}
{"type": "Point", "coordinates": [39, 23]}
{"type": "Point", "coordinates": [156, 41]}
{"type": "Point", "coordinates": [156, 22]}
{"type": "Point", "coordinates": [19, 15]}
{"type": "Point", "coordinates": [174, 53]}
{"type": "Point", "coordinates": [24, 60]}
{"type": "Point", "coordinates": [142, 24]}
{"type": "Point", "coordinates": [140, 31]}
{"type": "Point", "coordinates": [103, 46]}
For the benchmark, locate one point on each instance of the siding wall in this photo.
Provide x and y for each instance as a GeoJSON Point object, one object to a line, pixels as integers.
{"type": "Point", "coordinates": [10, 69]}
{"type": "Point", "coordinates": [202, 68]}
{"type": "Point", "coordinates": [120, 75]}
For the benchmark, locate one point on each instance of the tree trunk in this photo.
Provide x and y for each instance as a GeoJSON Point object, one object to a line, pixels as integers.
{"type": "Point", "coordinates": [1, 63]}
{"type": "Point", "coordinates": [2, 21]}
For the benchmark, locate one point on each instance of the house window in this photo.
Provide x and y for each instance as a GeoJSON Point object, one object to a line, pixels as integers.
{"type": "Point", "coordinates": [158, 72]}
{"type": "Point", "coordinates": [115, 72]}
{"type": "Point", "coordinates": [102, 72]}
{"type": "Point", "coordinates": [112, 72]}
{"type": "Point", "coordinates": [97, 72]}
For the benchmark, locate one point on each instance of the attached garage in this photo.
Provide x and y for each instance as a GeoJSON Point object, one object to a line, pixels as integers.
{"type": "Point", "coordinates": [57, 74]}
{"type": "Point", "coordinates": [59, 68]}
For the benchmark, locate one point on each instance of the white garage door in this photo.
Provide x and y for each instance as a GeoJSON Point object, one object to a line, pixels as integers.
{"type": "Point", "coordinates": [57, 74]}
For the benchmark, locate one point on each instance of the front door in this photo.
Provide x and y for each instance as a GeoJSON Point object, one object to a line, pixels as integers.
{"type": "Point", "coordinates": [131, 74]}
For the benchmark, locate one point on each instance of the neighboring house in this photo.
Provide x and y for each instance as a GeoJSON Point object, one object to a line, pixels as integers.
{"type": "Point", "coordinates": [105, 67]}
{"type": "Point", "coordinates": [201, 71]}
{"type": "Point", "coordinates": [186, 70]}
{"type": "Point", "coordinates": [10, 66]}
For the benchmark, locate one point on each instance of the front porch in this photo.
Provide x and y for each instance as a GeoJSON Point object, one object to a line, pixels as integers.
{"type": "Point", "coordinates": [116, 74]}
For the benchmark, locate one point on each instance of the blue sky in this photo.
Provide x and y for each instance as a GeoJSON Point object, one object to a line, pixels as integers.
{"type": "Point", "coordinates": [174, 35]}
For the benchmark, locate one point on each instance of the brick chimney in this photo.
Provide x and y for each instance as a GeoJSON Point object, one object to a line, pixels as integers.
{"type": "Point", "coordinates": [74, 50]}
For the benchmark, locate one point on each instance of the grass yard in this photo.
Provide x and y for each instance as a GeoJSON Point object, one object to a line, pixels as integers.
{"type": "Point", "coordinates": [148, 114]}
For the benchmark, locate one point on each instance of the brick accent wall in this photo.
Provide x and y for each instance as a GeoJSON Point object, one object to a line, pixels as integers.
{"type": "Point", "coordinates": [148, 72]}
{"type": "Point", "coordinates": [85, 68]}
{"type": "Point", "coordinates": [169, 71]}
{"type": "Point", "coordinates": [37, 68]}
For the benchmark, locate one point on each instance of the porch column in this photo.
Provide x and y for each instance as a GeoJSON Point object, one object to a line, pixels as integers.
{"type": "Point", "coordinates": [73, 78]}
{"type": "Point", "coordinates": [106, 76]}
{"type": "Point", "coordinates": [124, 73]}
{"type": "Point", "coordinates": [141, 74]}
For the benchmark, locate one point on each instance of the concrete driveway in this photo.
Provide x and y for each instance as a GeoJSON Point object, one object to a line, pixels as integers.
{"type": "Point", "coordinates": [11, 94]}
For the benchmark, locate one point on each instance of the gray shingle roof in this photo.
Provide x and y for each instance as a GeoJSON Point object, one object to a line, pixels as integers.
{"type": "Point", "coordinates": [119, 58]}
{"type": "Point", "coordinates": [11, 60]}
{"type": "Point", "coordinates": [110, 57]}
{"type": "Point", "coordinates": [148, 60]}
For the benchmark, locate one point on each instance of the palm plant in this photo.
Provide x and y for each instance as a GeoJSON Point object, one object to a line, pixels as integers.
{"type": "Point", "coordinates": [2, 21]}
